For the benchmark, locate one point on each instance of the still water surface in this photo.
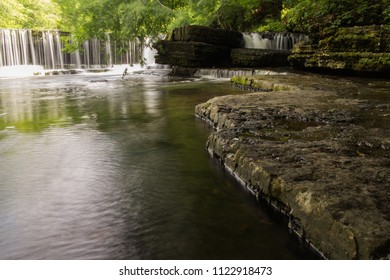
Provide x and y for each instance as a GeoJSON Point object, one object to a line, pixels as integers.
{"type": "Point", "coordinates": [96, 167]}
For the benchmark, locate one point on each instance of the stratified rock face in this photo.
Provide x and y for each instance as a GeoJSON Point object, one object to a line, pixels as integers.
{"type": "Point", "coordinates": [192, 54]}
{"type": "Point", "coordinates": [259, 58]}
{"type": "Point", "coordinates": [352, 49]}
{"type": "Point", "coordinates": [199, 46]}
{"type": "Point", "coordinates": [313, 153]}
{"type": "Point", "coordinates": [219, 37]}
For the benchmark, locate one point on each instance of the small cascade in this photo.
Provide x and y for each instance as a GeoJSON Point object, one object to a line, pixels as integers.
{"type": "Point", "coordinates": [148, 54]}
{"type": "Point", "coordinates": [222, 73]}
{"type": "Point", "coordinates": [45, 48]}
{"type": "Point", "coordinates": [275, 41]}
{"type": "Point", "coordinates": [229, 73]}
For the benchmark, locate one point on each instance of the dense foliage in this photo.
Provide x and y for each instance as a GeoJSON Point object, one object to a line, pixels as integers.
{"type": "Point", "coordinates": [127, 19]}
{"type": "Point", "coordinates": [312, 16]}
{"type": "Point", "coordinates": [29, 14]}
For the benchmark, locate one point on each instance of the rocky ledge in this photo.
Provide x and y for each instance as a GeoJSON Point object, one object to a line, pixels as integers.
{"type": "Point", "coordinates": [359, 49]}
{"type": "Point", "coordinates": [200, 46]}
{"type": "Point", "coordinates": [316, 149]}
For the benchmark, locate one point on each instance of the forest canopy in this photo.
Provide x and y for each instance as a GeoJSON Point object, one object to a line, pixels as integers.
{"type": "Point", "coordinates": [127, 19]}
{"type": "Point", "coordinates": [29, 14]}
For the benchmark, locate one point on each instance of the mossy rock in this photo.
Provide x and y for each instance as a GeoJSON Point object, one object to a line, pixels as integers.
{"type": "Point", "coordinates": [197, 33]}
{"type": "Point", "coordinates": [360, 49]}
{"type": "Point", "coordinates": [385, 38]}
{"type": "Point", "coordinates": [358, 39]}
{"type": "Point", "coordinates": [345, 61]}
{"type": "Point", "coordinates": [259, 58]}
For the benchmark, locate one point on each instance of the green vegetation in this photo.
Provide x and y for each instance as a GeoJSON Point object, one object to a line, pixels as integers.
{"type": "Point", "coordinates": [29, 14]}
{"type": "Point", "coordinates": [129, 19]}
{"type": "Point", "coordinates": [313, 16]}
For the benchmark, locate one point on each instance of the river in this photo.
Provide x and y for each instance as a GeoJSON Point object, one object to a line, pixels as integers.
{"type": "Point", "coordinates": [93, 166]}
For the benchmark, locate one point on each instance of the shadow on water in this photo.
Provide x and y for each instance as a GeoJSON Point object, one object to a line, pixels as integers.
{"type": "Point", "coordinates": [104, 168]}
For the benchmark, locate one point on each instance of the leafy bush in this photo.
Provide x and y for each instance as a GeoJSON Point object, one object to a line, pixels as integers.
{"type": "Point", "coordinates": [272, 25]}
{"type": "Point", "coordinates": [312, 16]}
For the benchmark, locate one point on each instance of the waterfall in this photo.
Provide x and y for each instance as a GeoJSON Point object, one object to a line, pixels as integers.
{"type": "Point", "coordinates": [52, 50]}
{"type": "Point", "coordinates": [14, 47]}
{"type": "Point", "coordinates": [149, 53]}
{"type": "Point", "coordinates": [20, 47]}
{"type": "Point", "coordinates": [276, 41]}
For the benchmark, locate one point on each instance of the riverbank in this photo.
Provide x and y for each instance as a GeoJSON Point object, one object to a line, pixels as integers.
{"type": "Point", "coordinates": [317, 148]}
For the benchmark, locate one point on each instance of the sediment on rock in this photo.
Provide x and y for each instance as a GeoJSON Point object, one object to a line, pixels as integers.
{"type": "Point", "coordinates": [310, 153]}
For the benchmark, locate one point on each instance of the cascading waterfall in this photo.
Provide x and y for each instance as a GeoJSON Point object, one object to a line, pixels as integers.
{"type": "Point", "coordinates": [276, 41]}
{"type": "Point", "coordinates": [45, 48]}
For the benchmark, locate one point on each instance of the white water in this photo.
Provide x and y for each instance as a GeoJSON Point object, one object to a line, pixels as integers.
{"type": "Point", "coordinates": [45, 49]}
{"type": "Point", "coordinates": [229, 73]}
{"type": "Point", "coordinates": [278, 41]}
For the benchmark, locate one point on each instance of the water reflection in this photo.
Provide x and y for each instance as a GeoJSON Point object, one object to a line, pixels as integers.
{"type": "Point", "coordinates": [104, 168]}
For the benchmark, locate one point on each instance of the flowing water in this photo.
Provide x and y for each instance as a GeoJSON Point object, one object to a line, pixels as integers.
{"type": "Point", "coordinates": [46, 49]}
{"type": "Point", "coordinates": [96, 167]}
{"type": "Point", "coordinates": [273, 41]}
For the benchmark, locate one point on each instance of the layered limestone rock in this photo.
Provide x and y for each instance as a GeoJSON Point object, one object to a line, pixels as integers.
{"type": "Point", "coordinates": [192, 54]}
{"type": "Point", "coordinates": [360, 49]}
{"type": "Point", "coordinates": [318, 152]}
{"type": "Point", "coordinates": [259, 58]}
{"type": "Point", "coordinates": [219, 37]}
{"type": "Point", "coordinates": [199, 46]}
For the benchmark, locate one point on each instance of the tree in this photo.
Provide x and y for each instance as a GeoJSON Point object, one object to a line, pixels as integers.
{"type": "Point", "coordinates": [312, 16]}
{"type": "Point", "coordinates": [29, 14]}
{"type": "Point", "coordinates": [11, 14]}
{"type": "Point", "coordinates": [122, 19]}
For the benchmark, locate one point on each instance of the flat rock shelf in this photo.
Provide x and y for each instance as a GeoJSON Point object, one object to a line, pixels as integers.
{"type": "Point", "coordinates": [317, 148]}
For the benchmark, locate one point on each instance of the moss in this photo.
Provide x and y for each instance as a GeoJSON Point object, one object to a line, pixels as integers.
{"type": "Point", "coordinates": [369, 62]}
{"type": "Point", "coordinates": [357, 61]}
{"type": "Point", "coordinates": [348, 40]}
{"type": "Point", "coordinates": [359, 49]}
{"type": "Point", "coordinates": [385, 38]}
{"type": "Point", "coordinates": [259, 84]}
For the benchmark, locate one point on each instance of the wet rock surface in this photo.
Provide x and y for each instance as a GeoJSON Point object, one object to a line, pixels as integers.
{"type": "Point", "coordinates": [318, 151]}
